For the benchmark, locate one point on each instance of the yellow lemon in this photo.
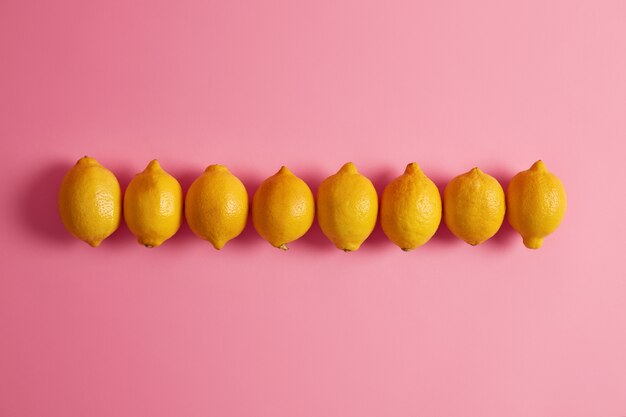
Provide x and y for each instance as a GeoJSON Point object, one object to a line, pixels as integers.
{"type": "Point", "coordinates": [536, 204]}
{"type": "Point", "coordinates": [90, 202]}
{"type": "Point", "coordinates": [410, 209]}
{"type": "Point", "coordinates": [216, 206]}
{"type": "Point", "coordinates": [283, 208]}
{"type": "Point", "coordinates": [153, 205]}
{"type": "Point", "coordinates": [347, 206]}
{"type": "Point", "coordinates": [473, 206]}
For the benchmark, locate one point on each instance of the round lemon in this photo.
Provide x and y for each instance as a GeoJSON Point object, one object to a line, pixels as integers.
{"type": "Point", "coordinates": [216, 206]}
{"type": "Point", "coordinates": [347, 206]}
{"type": "Point", "coordinates": [90, 202]}
{"type": "Point", "coordinates": [410, 209]}
{"type": "Point", "coordinates": [283, 208]}
{"type": "Point", "coordinates": [153, 205]}
{"type": "Point", "coordinates": [474, 206]}
{"type": "Point", "coordinates": [536, 204]}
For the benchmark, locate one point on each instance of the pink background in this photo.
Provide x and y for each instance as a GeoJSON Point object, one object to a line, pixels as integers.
{"type": "Point", "coordinates": [446, 330]}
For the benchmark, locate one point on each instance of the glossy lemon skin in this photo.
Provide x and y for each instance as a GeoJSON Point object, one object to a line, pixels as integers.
{"type": "Point", "coordinates": [536, 204]}
{"type": "Point", "coordinates": [474, 206]}
{"type": "Point", "coordinates": [410, 209]}
{"type": "Point", "coordinates": [283, 208]}
{"type": "Point", "coordinates": [153, 205]}
{"type": "Point", "coordinates": [347, 208]}
{"type": "Point", "coordinates": [89, 201]}
{"type": "Point", "coordinates": [216, 206]}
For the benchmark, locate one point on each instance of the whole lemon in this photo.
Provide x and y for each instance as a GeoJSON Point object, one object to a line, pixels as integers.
{"type": "Point", "coordinates": [473, 206]}
{"type": "Point", "coordinates": [410, 209]}
{"type": "Point", "coordinates": [216, 206]}
{"type": "Point", "coordinates": [90, 202]}
{"type": "Point", "coordinates": [347, 206]}
{"type": "Point", "coordinates": [153, 205]}
{"type": "Point", "coordinates": [283, 208]}
{"type": "Point", "coordinates": [536, 204]}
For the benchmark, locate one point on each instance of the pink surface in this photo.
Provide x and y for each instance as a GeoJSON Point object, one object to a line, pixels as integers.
{"type": "Point", "coordinates": [184, 330]}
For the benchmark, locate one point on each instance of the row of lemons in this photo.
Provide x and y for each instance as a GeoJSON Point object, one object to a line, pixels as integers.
{"type": "Point", "coordinates": [283, 207]}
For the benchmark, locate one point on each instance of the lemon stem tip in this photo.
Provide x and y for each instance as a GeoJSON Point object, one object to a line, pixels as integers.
{"type": "Point", "coordinates": [533, 242]}
{"type": "Point", "coordinates": [412, 168]}
{"type": "Point", "coordinates": [539, 166]}
{"type": "Point", "coordinates": [215, 167]}
{"type": "Point", "coordinates": [284, 170]}
{"type": "Point", "coordinates": [87, 160]}
{"type": "Point", "coordinates": [153, 165]}
{"type": "Point", "coordinates": [349, 168]}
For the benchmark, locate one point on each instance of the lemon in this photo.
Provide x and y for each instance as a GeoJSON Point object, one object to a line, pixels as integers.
{"type": "Point", "coordinates": [410, 209]}
{"type": "Point", "coordinates": [283, 208]}
{"type": "Point", "coordinates": [90, 202]}
{"type": "Point", "coordinates": [153, 205]}
{"type": "Point", "coordinates": [347, 206]}
{"type": "Point", "coordinates": [536, 204]}
{"type": "Point", "coordinates": [216, 206]}
{"type": "Point", "coordinates": [473, 206]}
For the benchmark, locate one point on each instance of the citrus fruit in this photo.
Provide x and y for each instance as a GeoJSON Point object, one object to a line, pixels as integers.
{"type": "Point", "coordinates": [90, 202]}
{"type": "Point", "coordinates": [410, 209]}
{"type": "Point", "coordinates": [474, 206]}
{"type": "Point", "coordinates": [283, 208]}
{"type": "Point", "coordinates": [153, 205]}
{"type": "Point", "coordinates": [216, 206]}
{"type": "Point", "coordinates": [347, 206]}
{"type": "Point", "coordinates": [536, 204]}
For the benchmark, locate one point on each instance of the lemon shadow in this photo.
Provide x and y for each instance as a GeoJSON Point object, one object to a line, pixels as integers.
{"type": "Point", "coordinates": [37, 205]}
{"type": "Point", "coordinates": [506, 236]}
{"type": "Point", "coordinates": [184, 235]}
{"type": "Point", "coordinates": [314, 239]}
{"type": "Point", "coordinates": [248, 238]}
{"type": "Point", "coordinates": [443, 236]}
{"type": "Point", "coordinates": [122, 237]}
{"type": "Point", "coordinates": [377, 239]}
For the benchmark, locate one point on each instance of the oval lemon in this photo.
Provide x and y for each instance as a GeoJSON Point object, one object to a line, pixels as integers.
{"type": "Point", "coordinates": [283, 208]}
{"type": "Point", "coordinates": [536, 204]}
{"type": "Point", "coordinates": [90, 202]}
{"type": "Point", "coordinates": [153, 205]}
{"type": "Point", "coordinates": [347, 207]}
{"type": "Point", "coordinates": [474, 206]}
{"type": "Point", "coordinates": [216, 206]}
{"type": "Point", "coordinates": [410, 209]}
